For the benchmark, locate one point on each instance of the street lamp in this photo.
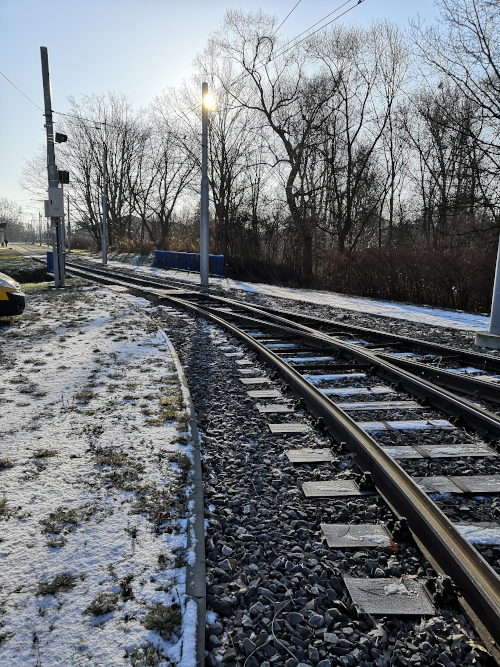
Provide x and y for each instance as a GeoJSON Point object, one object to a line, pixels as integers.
{"type": "Point", "coordinates": [208, 103]}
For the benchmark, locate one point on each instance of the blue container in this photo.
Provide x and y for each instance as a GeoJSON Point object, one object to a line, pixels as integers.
{"type": "Point", "coordinates": [50, 261]}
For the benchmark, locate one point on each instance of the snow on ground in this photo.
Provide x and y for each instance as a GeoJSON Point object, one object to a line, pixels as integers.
{"type": "Point", "coordinates": [423, 314]}
{"type": "Point", "coordinates": [94, 476]}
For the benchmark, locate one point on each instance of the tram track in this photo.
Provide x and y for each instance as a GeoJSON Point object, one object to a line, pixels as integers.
{"type": "Point", "coordinates": [433, 361]}
{"type": "Point", "coordinates": [446, 547]}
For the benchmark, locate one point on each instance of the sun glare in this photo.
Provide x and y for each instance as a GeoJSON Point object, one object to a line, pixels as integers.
{"type": "Point", "coordinates": [209, 102]}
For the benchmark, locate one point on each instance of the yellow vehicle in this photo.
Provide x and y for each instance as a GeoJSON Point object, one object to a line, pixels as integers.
{"type": "Point", "coordinates": [12, 300]}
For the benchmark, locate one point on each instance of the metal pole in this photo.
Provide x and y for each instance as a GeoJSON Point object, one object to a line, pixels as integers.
{"type": "Point", "coordinates": [40, 229]}
{"type": "Point", "coordinates": [63, 222]}
{"type": "Point", "coordinates": [204, 231]}
{"type": "Point", "coordinates": [495, 304]}
{"type": "Point", "coordinates": [104, 208]}
{"type": "Point", "coordinates": [53, 176]}
{"type": "Point", "coordinates": [68, 229]}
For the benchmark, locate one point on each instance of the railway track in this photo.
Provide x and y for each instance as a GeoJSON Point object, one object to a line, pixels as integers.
{"type": "Point", "coordinates": [364, 404]}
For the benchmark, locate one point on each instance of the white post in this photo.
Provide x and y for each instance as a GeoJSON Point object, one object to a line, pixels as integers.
{"type": "Point", "coordinates": [491, 339]}
{"type": "Point", "coordinates": [204, 231]}
{"type": "Point", "coordinates": [104, 208]}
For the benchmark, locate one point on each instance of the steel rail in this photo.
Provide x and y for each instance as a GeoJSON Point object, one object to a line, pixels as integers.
{"type": "Point", "coordinates": [390, 338]}
{"type": "Point", "coordinates": [478, 418]}
{"type": "Point", "coordinates": [455, 556]}
{"type": "Point", "coordinates": [481, 420]}
{"type": "Point", "coordinates": [448, 379]}
{"type": "Point", "coordinates": [307, 320]}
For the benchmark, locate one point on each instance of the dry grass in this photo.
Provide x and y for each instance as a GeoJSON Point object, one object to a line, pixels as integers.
{"type": "Point", "coordinates": [61, 583]}
{"type": "Point", "coordinates": [163, 619]}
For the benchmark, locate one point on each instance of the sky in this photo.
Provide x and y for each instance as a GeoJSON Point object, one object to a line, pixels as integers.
{"type": "Point", "coordinates": [135, 47]}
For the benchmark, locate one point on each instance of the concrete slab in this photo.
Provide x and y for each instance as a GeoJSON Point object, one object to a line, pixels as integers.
{"type": "Point", "coordinates": [486, 533]}
{"type": "Point", "coordinates": [402, 452]}
{"type": "Point", "coordinates": [249, 371]}
{"type": "Point", "coordinates": [350, 536]}
{"type": "Point", "coordinates": [244, 362]}
{"type": "Point", "coordinates": [274, 408]}
{"type": "Point", "coordinates": [405, 425]}
{"type": "Point", "coordinates": [255, 380]}
{"type": "Point", "coordinates": [280, 346]}
{"type": "Point", "coordinates": [477, 483]}
{"type": "Point", "coordinates": [437, 484]}
{"type": "Point", "coordinates": [289, 428]}
{"type": "Point", "coordinates": [264, 393]}
{"type": "Point", "coordinates": [389, 597]}
{"type": "Point", "coordinates": [380, 405]}
{"type": "Point", "coordinates": [361, 391]}
{"type": "Point", "coordinates": [310, 456]}
{"type": "Point", "coordinates": [306, 360]}
{"type": "Point", "coordinates": [334, 488]}
{"type": "Point", "coordinates": [490, 341]}
{"type": "Point", "coordinates": [452, 451]}
{"type": "Point", "coordinates": [314, 379]}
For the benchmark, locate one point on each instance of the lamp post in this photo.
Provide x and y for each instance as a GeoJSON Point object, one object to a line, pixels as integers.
{"type": "Point", "coordinates": [204, 231]}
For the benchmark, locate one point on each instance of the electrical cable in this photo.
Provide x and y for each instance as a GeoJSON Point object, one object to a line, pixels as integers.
{"type": "Point", "coordinates": [286, 18]}
{"type": "Point", "coordinates": [23, 94]}
{"type": "Point", "coordinates": [293, 42]}
{"type": "Point", "coordinates": [283, 51]}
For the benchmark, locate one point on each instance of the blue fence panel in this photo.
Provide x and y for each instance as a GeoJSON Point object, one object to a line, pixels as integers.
{"type": "Point", "coordinates": [50, 261]}
{"type": "Point", "coordinates": [188, 261]}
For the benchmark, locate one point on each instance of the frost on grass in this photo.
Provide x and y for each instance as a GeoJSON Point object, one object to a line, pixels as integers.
{"type": "Point", "coordinates": [94, 470]}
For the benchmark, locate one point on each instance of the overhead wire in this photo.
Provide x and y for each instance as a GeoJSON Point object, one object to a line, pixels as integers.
{"type": "Point", "coordinates": [286, 18]}
{"type": "Point", "coordinates": [23, 94]}
{"type": "Point", "coordinates": [293, 42]}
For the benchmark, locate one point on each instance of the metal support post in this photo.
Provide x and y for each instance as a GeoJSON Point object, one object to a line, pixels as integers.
{"type": "Point", "coordinates": [104, 208]}
{"type": "Point", "coordinates": [491, 339]}
{"type": "Point", "coordinates": [204, 230]}
{"type": "Point", "coordinates": [40, 229]}
{"type": "Point", "coordinates": [68, 228]}
{"type": "Point", "coordinates": [53, 177]}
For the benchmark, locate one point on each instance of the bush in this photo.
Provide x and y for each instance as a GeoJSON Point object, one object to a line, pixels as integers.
{"type": "Point", "coordinates": [459, 279]}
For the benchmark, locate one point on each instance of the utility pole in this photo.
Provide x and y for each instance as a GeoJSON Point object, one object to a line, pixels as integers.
{"type": "Point", "coordinates": [104, 208]}
{"type": "Point", "coordinates": [54, 204]}
{"type": "Point", "coordinates": [204, 231]}
{"type": "Point", "coordinates": [68, 228]}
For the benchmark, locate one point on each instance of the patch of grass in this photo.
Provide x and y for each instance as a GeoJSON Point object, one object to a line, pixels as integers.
{"type": "Point", "coordinates": [36, 288]}
{"type": "Point", "coordinates": [163, 619]}
{"type": "Point", "coordinates": [60, 520]}
{"type": "Point", "coordinates": [6, 463]}
{"type": "Point", "coordinates": [147, 655]}
{"type": "Point", "coordinates": [44, 453]}
{"type": "Point", "coordinates": [103, 603]}
{"type": "Point", "coordinates": [182, 422]}
{"type": "Point", "coordinates": [181, 439]}
{"type": "Point", "coordinates": [18, 379]}
{"type": "Point", "coordinates": [156, 504]}
{"type": "Point", "coordinates": [4, 510]}
{"type": "Point", "coordinates": [126, 480]}
{"type": "Point", "coordinates": [61, 583]}
{"type": "Point", "coordinates": [110, 456]}
{"type": "Point", "coordinates": [84, 396]}
{"type": "Point", "coordinates": [5, 636]}
{"type": "Point", "coordinates": [182, 460]}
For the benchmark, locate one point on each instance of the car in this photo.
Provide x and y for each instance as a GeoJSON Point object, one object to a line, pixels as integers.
{"type": "Point", "coordinates": [12, 300]}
